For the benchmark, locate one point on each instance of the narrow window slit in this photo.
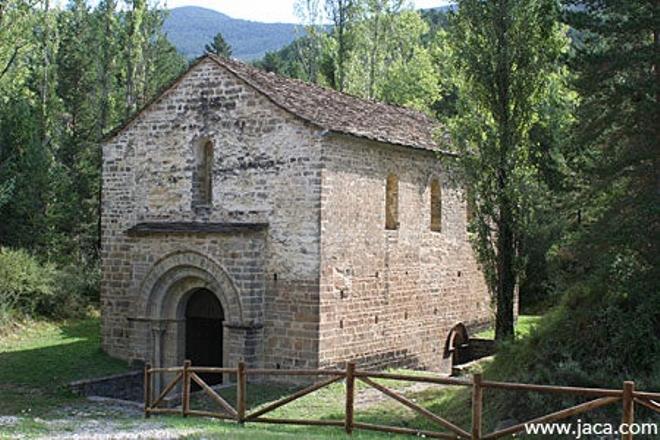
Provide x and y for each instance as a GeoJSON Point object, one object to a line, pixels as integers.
{"type": "Point", "coordinates": [203, 175]}
{"type": "Point", "coordinates": [436, 206]}
{"type": "Point", "coordinates": [392, 202]}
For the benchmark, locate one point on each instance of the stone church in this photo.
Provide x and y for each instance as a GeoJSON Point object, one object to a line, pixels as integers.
{"type": "Point", "coordinates": [247, 216]}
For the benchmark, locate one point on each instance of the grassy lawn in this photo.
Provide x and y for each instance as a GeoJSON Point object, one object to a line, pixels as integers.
{"type": "Point", "coordinates": [38, 361]}
{"type": "Point", "coordinates": [524, 326]}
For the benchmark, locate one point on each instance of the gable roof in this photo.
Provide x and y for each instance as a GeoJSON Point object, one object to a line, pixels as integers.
{"type": "Point", "coordinates": [329, 109]}
{"type": "Point", "coordinates": [339, 112]}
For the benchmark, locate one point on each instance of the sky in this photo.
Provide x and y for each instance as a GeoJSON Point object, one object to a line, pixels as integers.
{"type": "Point", "coordinates": [268, 11]}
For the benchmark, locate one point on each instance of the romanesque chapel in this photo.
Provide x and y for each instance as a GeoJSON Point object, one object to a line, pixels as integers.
{"type": "Point", "coordinates": [247, 216]}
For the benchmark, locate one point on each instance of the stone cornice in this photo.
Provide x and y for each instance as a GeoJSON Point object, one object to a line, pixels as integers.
{"type": "Point", "coordinates": [192, 228]}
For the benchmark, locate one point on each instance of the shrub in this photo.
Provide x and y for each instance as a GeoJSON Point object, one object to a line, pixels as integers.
{"type": "Point", "coordinates": [30, 288]}
{"type": "Point", "coordinates": [24, 283]}
{"type": "Point", "coordinates": [76, 290]}
{"type": "Point", "coordinates": [598, 336]}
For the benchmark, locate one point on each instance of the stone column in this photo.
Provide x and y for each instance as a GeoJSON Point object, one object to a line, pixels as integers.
{"type": "Point", "coordinates": [157, 330]}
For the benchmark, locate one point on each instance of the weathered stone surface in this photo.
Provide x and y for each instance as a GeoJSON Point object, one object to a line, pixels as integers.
{"type": "Point", "coordinates": [320, 281]}
{"type": "Point", "coordinates": [390, 297]}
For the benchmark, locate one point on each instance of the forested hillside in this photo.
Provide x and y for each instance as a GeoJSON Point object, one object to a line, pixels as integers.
{"type": "Point", "coordinates": [190, 28]}
{"type": "Point", "coordinates": [66, 78]}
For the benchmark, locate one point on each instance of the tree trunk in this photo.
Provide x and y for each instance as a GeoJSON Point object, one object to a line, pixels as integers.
{"type": "Point", "coordinates": [506, 280]}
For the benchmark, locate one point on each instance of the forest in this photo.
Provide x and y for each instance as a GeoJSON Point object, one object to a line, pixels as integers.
{"type": "Point", "coordinates": [552, 107]}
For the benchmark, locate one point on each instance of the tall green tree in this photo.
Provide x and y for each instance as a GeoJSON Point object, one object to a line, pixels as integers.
{"type": "Point", "coordinates": [613, 251]}
{"type": "Point", "coordinates": [344, 15]}
{"type": "Point", "coordinates": [78, 151]}
{"type": "Point", "coordinates": [219, 47]}
{"type": "Point", "coordinates": [106, 19]}
{"type": "Point", "coordinates": [309, 45]}
{"type": "Point", "coordinates": [17, 19]}
{"type": "Point", "coordinates": [408, 77]}
{"type": "Point", "coordinates": [135, 41]}
{"type": "Point", "coordinates": [377, 20]}
{"type": "Point", "coordinates": [161, 60]}
{"type": "Point", "coordinates": [503, 51]}
{"type": "Point", "coordinates": [606, 264]}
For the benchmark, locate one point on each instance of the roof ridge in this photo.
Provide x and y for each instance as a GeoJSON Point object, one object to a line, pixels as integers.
{"type": "Point", "coordinates": [323, 107]}
{"type": "Point", "coordinates": [338, 111]}
{"type": "Point", "coordinates": [225, 61]}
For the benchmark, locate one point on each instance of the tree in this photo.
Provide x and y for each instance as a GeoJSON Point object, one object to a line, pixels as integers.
{"type": "Point", "coordinates": [219, 47]}
{"type": "Point", "coordinates": [613, 251]}
{"type": "Point", "coordinates": [343, 15]}
{"type": "Point", "coordinates": [108, 67]}
{"type": "Point", "coordinates": [605, 265]}
{"type": "Point", "coordinates": [388, 61]}
{"type": "Point", "coordinates": [504, 51]}
{"type": "Point", "coordinates": [161, 59]}
{"type": "Point", "coordinates": [409, 77]}
{"type": "Point", "coordinates": [78, 152]}
{"type": "Point", "coordinates": [310, 45]}
{"type": "Point", "coordinates": [16, 40]}
{"type": "Point", "coordinates": [135, 36]}
{"type": "Point", "coordinates": [378, 17]}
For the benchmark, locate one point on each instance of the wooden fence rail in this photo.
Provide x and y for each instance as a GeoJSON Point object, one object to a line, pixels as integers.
{"type": "Point", "coordinates": [188, 374]}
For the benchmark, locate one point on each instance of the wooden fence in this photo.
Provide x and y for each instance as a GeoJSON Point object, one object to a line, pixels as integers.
{"type": "Point", "coordinates": [187, 374]}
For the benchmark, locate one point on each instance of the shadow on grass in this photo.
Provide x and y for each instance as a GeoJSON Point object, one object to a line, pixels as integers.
{"type": "Point", "coordinates": [258, 394]}
{"type": "Point", "coordinates": [35, 369]}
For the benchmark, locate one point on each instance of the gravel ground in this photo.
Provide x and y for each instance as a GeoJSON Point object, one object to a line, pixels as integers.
{"type": "Point", "coordinates": [96, 420]}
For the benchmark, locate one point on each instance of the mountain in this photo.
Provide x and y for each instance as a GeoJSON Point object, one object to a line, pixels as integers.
{"type": "Point", "coordinates": [190, 28]}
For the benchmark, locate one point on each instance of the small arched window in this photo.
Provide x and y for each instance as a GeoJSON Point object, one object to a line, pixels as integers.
{"type": "Point", "coordinates": [203, 176]}
{"type": "Point", "coordinates": [392, 202]}
{"type": "Point", "coordinates": [436, 205]}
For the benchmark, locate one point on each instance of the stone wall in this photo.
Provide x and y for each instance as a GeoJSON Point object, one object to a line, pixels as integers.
{"type": "Point", "coordinates": [390, 297]}
{"type": "Point", "coordinates": [265, 170]}
{"type": "Point", "coordinates": [323, 282]}
{"type": "Point", "coordinates": [125, 386]}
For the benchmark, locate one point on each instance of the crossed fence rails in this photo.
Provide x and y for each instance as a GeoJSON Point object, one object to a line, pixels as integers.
{"type": "Point", "coordinates": [187, 374]}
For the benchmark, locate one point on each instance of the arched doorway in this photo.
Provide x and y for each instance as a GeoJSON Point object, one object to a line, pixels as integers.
{"type": "Point", "coordinates": [204, 322]}
{"type": "Point", "coordinates": [456, 344]}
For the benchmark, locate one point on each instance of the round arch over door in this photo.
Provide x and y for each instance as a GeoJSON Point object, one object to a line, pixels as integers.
{"type": "Point", "coordinates": [204, 332]}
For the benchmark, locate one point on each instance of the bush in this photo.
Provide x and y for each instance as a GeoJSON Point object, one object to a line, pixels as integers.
{"type": "Point", "coordinates": [30, 288]}
{"type": "Point", "coordinates": [77, 289]}
{"type": "Point", "coordinates": [598, 336]}
{"type": "Point", "coordinates": [24, 283]}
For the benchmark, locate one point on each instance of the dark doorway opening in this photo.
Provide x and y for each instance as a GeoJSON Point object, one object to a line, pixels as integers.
{"type": "Point", "coordinates": [204, 317]}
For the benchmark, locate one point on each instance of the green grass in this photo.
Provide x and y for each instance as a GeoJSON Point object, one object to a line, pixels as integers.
{"type": "Point", "coordinates": [524, 326]}
{"type": "Point", "coordinates": [38, 361]}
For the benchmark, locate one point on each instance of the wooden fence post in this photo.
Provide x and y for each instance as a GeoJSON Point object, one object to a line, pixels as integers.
{"type": "Point", "coordinates": [241, 391]}
{"type": "Point", "coordinates": [477, 405]}
{"type": "Point", "coordinates": [147, 389]}
{"type": "Point", "coordinates": [185, 405]}
{"type": "Point", "coordinates": [628, 408]}
{"type": "Point", "coordinates": [350, 396]}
